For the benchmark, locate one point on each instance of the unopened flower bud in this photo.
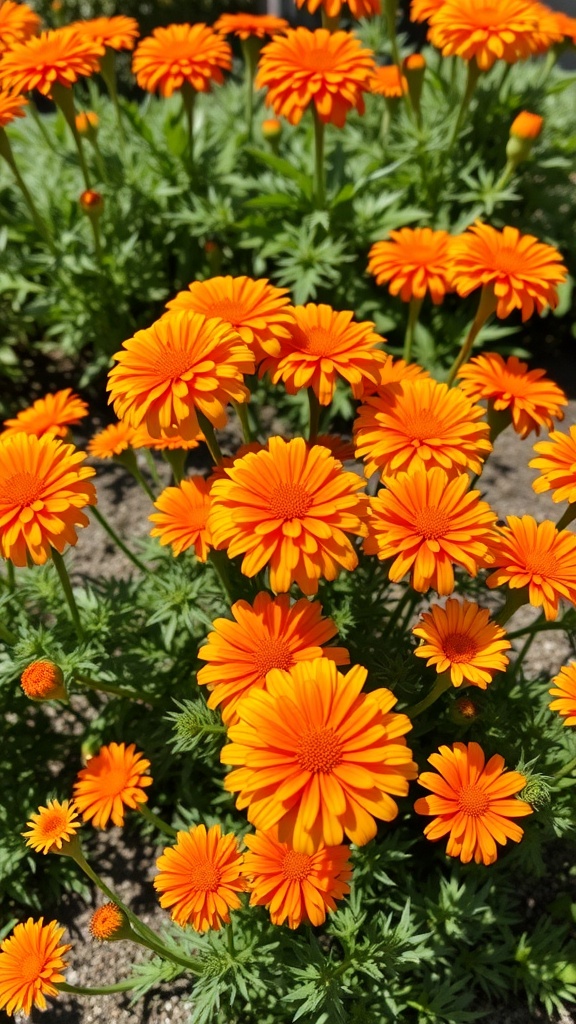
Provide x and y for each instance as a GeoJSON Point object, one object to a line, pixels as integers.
{"type": "Point", "coordinates": [272, 128]}
{"type": "Point", "coordinates": [524, 131]}
{"type": "Point", "coordinates": [92, 202]}
{"type": "Point", "coordinates": [43, 680]}
{"type": "Point", "coordinates": [87, 122]}
{"type": "Point", "coordinates": [536, 792]}
{"type": "Point", "coordinates": [414, 69]}
{"type": "Point", "coordinates": [110, 924]}
{"type": "Point", "coordinates": [465, 710]}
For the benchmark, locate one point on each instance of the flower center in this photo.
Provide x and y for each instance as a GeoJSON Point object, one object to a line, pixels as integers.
{"type": "Point", "coordinates": [196, 518]}
{"type": "Point", "coordinates": [113, 781]}
{"type": "Point", "coordinates": [541, 563]}
{"type": "Point", "coordinates": [204, 877]}
{"type": "Point", "coordinates": [105, 921]}
{"type": "Point", "coordinates": [459, 647]}
{"type": "Point", "coordinates": [173, 363]}
{"type": "Point", "coordinates": [511, 386]}
{"type": "Point", "coordinates": [432, 522]}
{"type": "Point", "coordinates": [320, 60]}
{"type": "Point", "coordinates": [508, 261]}
{"type": "Point", "coordinates": [229, 310]}
{"type": "Point", "coordinates": [22, 489]}
{"type": "Point", "coordinates": [296, 866]}
{"type": "Point", "coordinates": [319, 751]}
{"type": "Point", "coordinates": [473, 800]}
{"type": "Point", "coordinates": [272, 652]}
{"type": "Point", "coordinates": [53, 824]}
{"type": "Point", "coordinates": [30, 967]}
{"type": "Point", "coordinates": [421, 426]}
{"type": "Point", "coordinates": [289, 501]}
{"type": "Point", "coordinates": [318, 341]}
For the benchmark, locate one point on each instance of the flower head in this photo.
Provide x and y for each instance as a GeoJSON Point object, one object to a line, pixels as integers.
{"type": "Point", "coordinates": [52, 827]}
{"type": "Point", "coordinates": [245, 25]}
{"type": "Point", "coordinates": [291, 508]}
{"type": "Point", "coordinates": [181, 363]}
{"type": "Point", "coordinates": [43, 487]}
{"type": "Point", "coordinates": [461, 639]}
{"type": "Point", "coordinates": [427, 524]}
{"type": "Point", "coordinates": [53, 414]}
{"type": "Point", "coordinates": [528, 396]}
{"type": "Point", "coordinates": [523, 272]}
{"type": "Point", "coordinates": [526, 125]}
{"type": "Point", "coordinates": [199, 878]}
{"type": "Point", "coordinates": [329, 69]}
{"type": "Point", "coordinates": [388, 81]}
{"type": "Point", "coordinates": [323, 345]}
{"type": "Point", "coordinates": [486, 32]}
{"type": "Point", "coordinates": [111, 781]}
{"type": "Point", "coordinates": [179, 55]}
{"type": "Point", "coordinates": [564, 688]}
{"type": "Point", "coordinates": [415, 261]}
{"type": "Point", "coordinates": [112, 440]}
{"type": "Point", "coordinates": [270, 633]}
{"type": "Point", "coordinates": [421, 10]}
{"type": "Point", "coordinates": [472, 802]}
{"type": "Point", "coordinates": [557, 465]}
{"type": "Point", "coordinates": [92, 202]}
{"type": "Point", "coordinates": [537, 556]}
{"type": "Point", "coordinates": [296, 887]}
{"type": "Point", "coordinates": [11, 106]}
{"type": "Point", "coordinates": [17, 23]}
{"type": "Point", "coordinates": [109, 923]}
{"type": "Point", "coordinates": [60, 56]}
{"type": "Point", "coordinates": [358, 8]}
{"type": "Point", "coordinates": [396, 371]}
{"type": "Point", "coordinates": [116, 33]}
{"type": "Point", "coordinates": [43, 680]}
{"type": "Point", "coordinates": [182, 517]}
{"type": "Point", "coordinates": [31, 965]}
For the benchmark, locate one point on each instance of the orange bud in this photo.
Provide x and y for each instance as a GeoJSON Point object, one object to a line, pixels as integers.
{"type": "Point", "coordinates": [414, 62]}
{"type": "Point", "coordinates": [43, 680]}
{"type": "Point", "coordinates": [272, 128]}
{"type": "Point", "coordinates": [92, 202]}
{"type": "Point", "coordinates": [86, 122]}
{"type": "Point", "coordinates": [526, 125]}
{"type": "Point", "coordinates": [467, 708]}
{"type": "Point", "coordinates": [109, 924]}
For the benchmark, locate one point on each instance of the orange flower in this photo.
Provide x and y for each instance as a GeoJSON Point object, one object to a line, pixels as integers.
{"type": "Point", "coordinates": [557, 466]}
{"type": "Point", "coordinates": [421, 10]}
{"type": "Point", "coordinates": [112, 780]}
{"type": "Point", "coordinates": [526, 125]}
{"type": "Point", "coordinates": [461, 639]}
{"type": "Point", "coordinates": [181, 363]}
{"type": "Point", "coordinates": [42, 489]}
{"type": "Point", "coordinates": [92, 202]}
{"type": "Point", "coordinates": [109, 923]}
{"type": "Point", "coordinates": [318, 757]}
{"type": "Point", "coordinates": [388, 81]}
{"type": "Point", "coordinates": [268, 634]}
{"type": "Point", "coordinates": [52, 827]}
{"type": "Point", "coordinates": [87, 122]}
{"type": "Point", "coordinates": [182, 517]}
{"type": "Point", "coordinates": [322, 345]}
{"type": "Point", "coordinates": [566, 25]}
{"type": "Point", "coordinates": [179, 55]}
{"type": "Point", "coordinates": [296, 887]}
{"type": "Point", "coordinates": [396, 371]}
{"type": "Point", "coordinates": [59, 56]}
{"type": "Point", "coordinates": [117, 33]}
{"type": "Point", "coordinates": [494, 30]}
{"type": "Point", "coordinates": [246, 25]}
{"type": "Point", "coordinates": [358, 8]}
{"type": "Point", "coordinates": [11, 107]}
{"type": "Point", "coordinates": [291, 508]}
{"type": "Point", "coordinates": [414, 262]}
{"type": "Point", "coordinates": [550, 29]}
{"type": "Point", "coordinates": [537, 556]}
{"type": "Point", "coordinates": [142, 439]}
{"type": "Point", "coordinates": [329, 69]}
{"type": "Point", "coordinates": [564, 687]}
{"type": "Point", "coordinates": [473, 802]}
{"type": "Point", "coordinates": [420, 424]}
{"type": "Point", "coordinates": [256, 310]}
{"type": "Point", "coordinates": [17, 23]}
{"type": "Point", "coordinates": [31, 965]}
{"type": "Point", "coordinates": [200, 877]}
{"type": "Point", "coordinates": [528, 396]}
{"type": "Point", "coordinates": [113, 440]}
{"type": "Point", "coordinates": [53, 414]}
{"type": "Point", "coordinates": [428, 523]}
{"type": "Point", "coordinates": [43, 680]}
{"type": "Point", "coordinates": [523, 272]}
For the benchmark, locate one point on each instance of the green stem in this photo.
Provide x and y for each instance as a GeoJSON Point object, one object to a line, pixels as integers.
{"type": "Point", "coordinates": [522, 653]}
{"type": "Point", "coordinates": [40, 124]}
{"type": "Point", "coordinates": [230, 940]}
{"type": "Point", "coordinates": [515, 599]}
{"type": "Point", "coordinates": [251, 50]}
{"type": "Point", "coordinates": [68, 592]}
{"type": "Point", "coordinates": [163, 826]}
{"type": "Point", "coordinates": [219, 562]}
{"type": "Point", "coordinates": [506, 173]}
{"type": "Point", "coordinates": [472, 76]}
{"type": "Point", "coordinates": [189, 100]}
{"type": "Point", "coordinates": [331, 22]}
{"type": "Point", "coordinates": [37, 220]}
{"type": "Point", "coordinates": [319, 167]}
{"type": "Point", "coordinates": [565, 770]}
{"type": "Point", "coordinates": [442, 684]}
{"type": "Point", "coordinates": [7, 635]}
{"type": "Point", "coordinates": [152, 467]}
{"type": "Point", "coordinates": [399, 608]}
{"type": "Point", "coordinates": [117, 691]}
{"type": "Point", "coordinates": [314, 415]}
{"type": "Point", "coordinates": [539, 628]}
{"type": "Point", "coordinates": [99, 158]}
{"type": "Point", "coordinates": [108, 72]}
{"type": "Point", "coordinates": [97, 239]}
{"type": "Point", "coordinates": [567, 517]}
{"type": "Point", "coordinates": [11, 575]}
{"type": "Point", "coordinates": [176, 459]}
{"type": "Point", "coordinates": [117, 541]}
{"type": "Point", "coordinates": [106, 990]}
{"type": "Point", "coordinates": [413, 314]}
{"type": "Point", "coordinates": [64, 99]}
{"type": "Point", "coordinates": [208, 431]}
{"type": "Point", "coordinates": [242, 414]}
{"type": "Point", "coordinates": [128, 459]}
{"type": "Point", "coordinates": [391, 11]}
{"type": "Point", "coordinates": [486, 307]}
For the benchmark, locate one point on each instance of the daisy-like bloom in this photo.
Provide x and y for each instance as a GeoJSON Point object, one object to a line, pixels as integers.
{"type": "Point", "coordinates": [265, 635]}
{"type": "Point", "coordinates": [11, 107]}
{"type": "Point", "coordinates": [396, 371]}
{"type": "Point", "coordinates": [566, 25]}
{"type": "Point", "coordinates": [113, 440]}
{"type": "Point", "coordinates": [526, 125]}
{"type": "Point", "coordinates": [318, 757]}
{"type": "Point", "coordinates": [142, 439]}
{"type": "Point", "coordinates": [53, 414]}
{"type": "Point", "coordinates": [427, 524]}
{"type": "Point", "coordinates": [290, 508]}
{"type": "Point", "coordinates": [537, 556]}
{"type": "Point", "coordinates": [182, 517]}
{"type": "Point", "coordinates": [60, 56]}
{"type": "Point", "coordinates": [43, 487]}
{"type": "Point", "coordinates": [557, 465]}
{"type": "Point", "coordinates": [257, 310]}
{"type": "Point", "coordinates": [527, 396]}
{"type": "Point", "coordinates": [116, 33]}
{"type": "Point", "coordinates": [421, 10]}
{"type": "Point", "coordinates": [31, 965]}
{"type": "Point", "coordinates": [43, 680]}
{"type": "Point", "coordinates": [109, 923]}
{"type": "Point", "coordinates": [200, 877]}
{"type": "Point", "coordinates": [179, 55]}
{"type": "Point", "coordinates": [322, 345]}
{"type": "Point", "coordinates": [419, 424]}
{"type": "Point", "coordinates": [486, 32]}
{"type": "Point", "coordinates": [52, 827]}
{"type": "Point", "coordinates": [294, 886]}
{"type": "Point", "coordinates": [564, 688]}
{"type": "Point", "coordinates": [111, 781]}
{"type": "Point", "coordinates": [17, 24]}
{"type": "Point", "coordinates": [245, 25]}
{"type": "Point", "coordinates": [329, 69]}
{"type": "Point", "coordinates": [181, 363]}
{"type": "Point", "coordinates": [415, 261]}
{"type": "Point", "coordinates": [388, 81]}
{"type": "Point", "coordinates": [358, 8]}
{"type": "Point", "coordinates": [472, 802]}
{"type": "Point", "coordinates": [461, 639]}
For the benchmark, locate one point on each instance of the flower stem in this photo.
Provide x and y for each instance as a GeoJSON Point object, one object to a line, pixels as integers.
{"type": "Point", "coordinates": [176, 459]}
{"type": "Point", "coordinates": [152, 467]}
{"type": "Point", "coordinates": [390, 13]}
{"type": "Point", "coordinates": [105, 990]}
{"type": "Point", "coordinates": [250, 49]}
{"type": "Point", "coordinates": [562, 772]}
{"type": "Point", "coordinates": [6, 635]}
{"type": "Point", "coordinates": [37, 220]}
{"type": "Point", "coordinates": [413, 314]}
{"type": "Point", "coordinates": [220, 563]}
{"type": "Point", "coordinates": [331, 22]}
{"type": "Point", "coordinates": [100, 518]}
{"type": "Point", "coordinates": [118, 691]}
{"type": "Point", "coordinates": [163, 826]}
{"type": "Point", "coordinates": [515, 599]}
{"type": "Point", "coordinates": [208, 431]}
{"type": "Point", "coordinates": [242, 414]}
{"type": "Point", "coordinates": [64, 99]}
{"type": "Point", "coordinates": [189, 100]}
{"type": "Point", "coordinates": [68, 592]}
{"type": "Point", "coordinates": [319, 168]}
{"type": "Point", "coordinates": [314, 421]}
{"type": "Point", "coordinates": [108, 72]}
{"type": "Point", "coordinates": [128, 460]}
{"type": "Point", "coordinates": [566, 517]}
{"type": "Point", "coordinates": [473, 74]}
{"type": "Point", "coordinates": [486, 307]}
{"type": "Point", "coordinates": [442, 684]}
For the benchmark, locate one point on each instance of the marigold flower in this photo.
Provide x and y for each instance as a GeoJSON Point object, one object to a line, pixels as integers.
{"type": "Point", "coordinates": [109, 923]}
{"type": "Point", "coordinates": [419, 424]}
{"type": "Point", "coordinates": [557, 465]}
{"type": "Point", "coordinates": [17, 23]}
{"type": "Point", "coordinates": [86, 122]}
{"type": "Point", "coordinates": [421, 10]}
{"type": "Point", "coordinates": [461, 639]}
{"type": "Point", "coordinates": [52, 826]}
{"type": "Point", "coordinates": [526, 125]}
{"type": "Point", "coordinates": [523, 272]}
{"type": "Point", "coordinates": [31, 965]}
{"type": "Point", "coordinates": [10, 107]}
{"type": "Point", "coordinates": [112, 440]}
{"type": "Point", "coordinates": [264, 635]}
{"type": "Point", "coordinates": [179, 55]}
{"type": "Point", "coordinates": [258, 311]}
{"type": "Point", "coordinates": [427, 524]}
{"type": "Point", "coordinates": [322, 345]}
{"type": "Point", "coordinates": [43, 680]}
{"type": "Point", "coordinates": [291, 508]}
{"type": "Point", "coordinates": [53, 414]}
{"type": "Point", "coordinates": [182, 517]}
{"type": "Point", "coordinates": [473, 802]}
{"type": "Point", "coordinates": [537, 556]}
{"type": "Point", "coordinates": [529, 397]}
{"type": "Point", "coordinates": [42, 489]}
{"type": "Point", "coordinates": [415, 261]}
{"type": "Point", "coordinates": [485, 32]}
{"type": "Point", "coordinates": [388, 81]}
{"type": "Point", "coordinates": [358, 8]}
{"type": "Point", "coordinates": [245, 25]}
{"type": "Point", "coordinates": [564, 687]}
{"type": "Point", "coordinates": [112, 780]}
{"type": "Point", "coordinates": [296, 887]}
{"type": "Point", "coordinates": [200, 877]}
{"type": "Point", "coordinates": [182, 363]}
{"type": "Point", "coordinates": [317, 756]}
{"type": "Point", "coordinates": [59, 56]}
{"type": "Point", "coordinates": [116, 33]}
{"type": "Point", "coordinates": [329, 69]}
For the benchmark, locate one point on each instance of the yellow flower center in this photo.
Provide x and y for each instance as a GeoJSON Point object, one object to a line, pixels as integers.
{"type": "Point", "coordinates": [509, 261]}
{"type": "Point", "coordinates": [473, 801]}
{"type": "Point", "coordinates": [421, 426]}
{"type": "Point", "coordinates": [39, 678]}
{"type": "Point", "coordinates": [319, 750]}
{"type": "Point", "coordinates": [230, 310]}
{"type": "Point", "coordinates": [272, 652]}
{"type": "Point", "coordinates": [541, 565]}
{"type": "Point", "coordinates": [204, 877]}
{"type": "Point", "coordinates": [23, 489]}
{"type": "Point", "coordinates": [31, 967]}
{"type": "Point", "coordinates": [432, 522]}
{"type": "Point", "coordinates": [319, 341]}
{"type": "Point", "coordinates": [172, 363]}
{"type": "Point", "coordinates": [459, 647]}
{"type": "Point", "coordinates": [53, 824]}
{"type": "Point", "coordinates": [105, 921]}
{"type": "Point", "coordinates": [289, 501]}
{"type": "Point", "coordinates": [296, 866]}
